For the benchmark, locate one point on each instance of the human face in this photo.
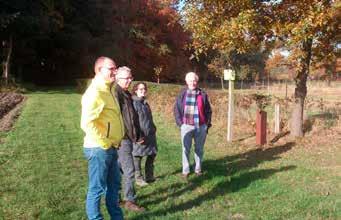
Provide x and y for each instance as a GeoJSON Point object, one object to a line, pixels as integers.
{"type": "Point", "coordinates": [108, 70]}
{"type": "Point", "coordinates": [124, 80]}
{"type": "Point", "coordinates": [141, 91]}
{"type": "Point", "coordinates": [192, 82]}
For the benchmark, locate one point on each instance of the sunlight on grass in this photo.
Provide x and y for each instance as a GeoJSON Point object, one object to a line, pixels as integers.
{"type": "Point", "coordinates": [43, 174]}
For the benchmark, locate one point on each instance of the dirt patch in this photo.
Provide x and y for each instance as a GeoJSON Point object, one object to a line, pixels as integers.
{"type": "Point", "coordinates": [10, 106]}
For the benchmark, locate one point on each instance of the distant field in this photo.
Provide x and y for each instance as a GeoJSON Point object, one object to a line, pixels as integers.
{"type": "Point", "coordinates": [43, 173]}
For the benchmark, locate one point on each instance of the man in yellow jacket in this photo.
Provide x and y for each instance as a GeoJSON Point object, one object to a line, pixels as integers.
{"type": "Point", "coordinates": [103, 126]}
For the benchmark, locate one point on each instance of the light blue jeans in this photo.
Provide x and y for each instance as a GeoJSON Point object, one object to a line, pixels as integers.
{"type": "Point", "coordinates": [188, 133]}
{"type": "Point", "coordinates": [104, 179]}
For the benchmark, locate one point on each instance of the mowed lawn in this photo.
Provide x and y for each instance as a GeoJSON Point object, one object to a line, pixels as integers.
{"type": "Point", "coordinates": [43, 174]}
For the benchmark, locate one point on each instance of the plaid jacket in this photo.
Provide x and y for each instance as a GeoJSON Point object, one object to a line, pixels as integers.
{"type": "Point", "coordinates": [179, 107]}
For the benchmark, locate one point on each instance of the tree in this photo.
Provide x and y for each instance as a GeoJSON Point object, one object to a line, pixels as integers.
{"type": "Point", "coordinates": [56, 41]}
{"type": "Point", "coordinates": [306, 26]}
{"type": "Point", "coordinates": [7, 43]}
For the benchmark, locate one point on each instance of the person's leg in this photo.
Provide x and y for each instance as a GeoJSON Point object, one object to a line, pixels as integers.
{"type": "Point", "coordinates": [186, 139]}
{"type": "Point", "coordinates": [127, 164]}
{"type": "Point", "coordinates": [138, 173]}
{"type": "Point", "coordinates": [199, 141]}
{"type": "Point", "coordinates": [149, 168]}
{"type": "Point", "coordinates": [114, 182]}
{"type": "Point", "coordinates": [97, 175]}
{"type": "Point", "coordinates": [137, 165]}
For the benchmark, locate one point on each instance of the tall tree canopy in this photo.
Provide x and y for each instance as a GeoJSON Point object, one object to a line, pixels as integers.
{"type": "Point", "coordinates": [58, 40]}
{"type": "Point", "coordinates": [307, 27]}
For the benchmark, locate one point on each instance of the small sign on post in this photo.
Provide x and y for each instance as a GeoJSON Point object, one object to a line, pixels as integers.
{"type": "Point", "coordinates": [230, 76]}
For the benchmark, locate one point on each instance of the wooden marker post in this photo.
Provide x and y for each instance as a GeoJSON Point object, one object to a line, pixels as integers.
{"type": "Point", "coordinates": [230, 76]}
{"type": "Point", "coordinates": [277, 119]}
{"type": "Point", "coordinates": [261, 127]}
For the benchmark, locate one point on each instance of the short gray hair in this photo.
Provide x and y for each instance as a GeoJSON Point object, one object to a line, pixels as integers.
{"type": "Point", "coordinates": [189, 74]}
{"type": "Point", "coordinates": [122, 69]}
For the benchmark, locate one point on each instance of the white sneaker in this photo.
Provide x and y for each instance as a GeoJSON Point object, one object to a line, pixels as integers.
{"type": "Point", "coordinates": [141, 182]}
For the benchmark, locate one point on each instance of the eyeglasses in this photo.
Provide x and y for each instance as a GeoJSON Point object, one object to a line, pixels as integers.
{"type": "Point", "coordinates": [127, 78]}
{"type": "Point", "coordinates": [110, 68]}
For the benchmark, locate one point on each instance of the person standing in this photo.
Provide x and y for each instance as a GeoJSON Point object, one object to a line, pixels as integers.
{"type": "Point", "coordinates": [148, 131]}
{"type": "Point", "coordinates": [132, 131]}
{"type": "Point", "coordinates": [192, 112]}
{"type": "Point", "coordinates": [102, 123]}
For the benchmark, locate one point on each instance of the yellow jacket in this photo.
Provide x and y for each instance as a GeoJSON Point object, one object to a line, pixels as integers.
{"type": "Point", "coordinates": [101, 118]}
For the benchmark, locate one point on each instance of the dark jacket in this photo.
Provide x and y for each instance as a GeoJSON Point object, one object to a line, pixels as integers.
{"type": "Point", "coordinates": [147, 128]}
{"type": "Point", "coordinates": [179, 107]}
{"type": "Point", "coordinates": [130, 117]}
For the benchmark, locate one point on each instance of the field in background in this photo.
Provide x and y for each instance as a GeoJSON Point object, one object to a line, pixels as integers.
{"type": "Point", "coordinates": [322, 108]}
{"type": "Point", "coordinates": [43, 172]}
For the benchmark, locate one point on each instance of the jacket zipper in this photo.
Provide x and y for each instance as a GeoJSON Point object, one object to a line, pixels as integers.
{"type": "Point", "coordinates": [108, 130]}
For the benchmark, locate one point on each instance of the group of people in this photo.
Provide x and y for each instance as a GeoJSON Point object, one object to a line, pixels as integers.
{"type": "Point", "coordinates": [120, 132]}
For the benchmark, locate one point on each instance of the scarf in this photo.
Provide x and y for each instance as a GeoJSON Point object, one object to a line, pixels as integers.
{"type": "Point", "coordinates": [191, 112]}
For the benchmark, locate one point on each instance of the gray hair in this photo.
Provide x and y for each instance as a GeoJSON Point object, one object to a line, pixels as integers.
{"type": "Point", "coordinates": [189, 74]}
{"type": "Point", "coordinates": [121, 70]}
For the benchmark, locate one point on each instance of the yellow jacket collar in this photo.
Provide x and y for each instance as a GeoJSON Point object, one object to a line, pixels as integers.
{"type": "Point", "coordinates": [101, 83]}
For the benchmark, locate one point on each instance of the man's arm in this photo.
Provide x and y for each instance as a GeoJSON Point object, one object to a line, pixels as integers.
{"type": "Point", "coordinates": [177, 111]}
{"type": "Point", "coordinates": [92, 106]}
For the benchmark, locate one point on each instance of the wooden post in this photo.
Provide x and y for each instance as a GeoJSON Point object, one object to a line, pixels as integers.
{"type": "Point", "coordinates": [229, 75]}
{"type": "Point", "coordinates": [260, 127]}
{"type": "Point", "coordinates": [277, 119]}
{"type": "Point", "coordinates": [230, 112]}
{"type": "Point", "coordinates": [268, 83]}
{"type": "Point", "coordinates": [286, 88]}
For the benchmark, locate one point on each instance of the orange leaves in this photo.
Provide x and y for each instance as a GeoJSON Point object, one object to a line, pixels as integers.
{"type": "Point", "coordinates": [225, 25]}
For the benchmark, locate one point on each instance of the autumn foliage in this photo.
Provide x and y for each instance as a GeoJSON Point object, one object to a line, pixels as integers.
{"type": "Point", "coordinates": [58, 41]}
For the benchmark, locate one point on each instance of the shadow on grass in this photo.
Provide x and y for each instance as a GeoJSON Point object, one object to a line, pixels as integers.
{"type": "Point", "coordinates": [226, 175]}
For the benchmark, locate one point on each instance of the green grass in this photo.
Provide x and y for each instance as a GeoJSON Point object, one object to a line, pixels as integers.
{"type": "Point", "coordinates": [43, 174]}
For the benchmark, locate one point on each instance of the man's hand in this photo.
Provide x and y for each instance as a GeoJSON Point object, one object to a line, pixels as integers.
{"type": "Point", "coordinates": [140, 141]}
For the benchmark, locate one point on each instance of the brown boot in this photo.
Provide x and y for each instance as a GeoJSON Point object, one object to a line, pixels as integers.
{"type": "Point", "coordinates": [133, 207]}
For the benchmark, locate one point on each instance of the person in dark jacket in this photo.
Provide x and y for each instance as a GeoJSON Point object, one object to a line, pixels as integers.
{"type": "Point", "coordinates": [192, 112]}
{"type": "Point", "coordinates": [132, 131]}
{"type": "Point", "coordinates": [148, 131]}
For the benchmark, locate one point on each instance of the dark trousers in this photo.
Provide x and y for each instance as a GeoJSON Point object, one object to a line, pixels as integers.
{"type": "Point", "coordinates": [125, 158]}
{"type": "Point", "coordinates": [149, 167]}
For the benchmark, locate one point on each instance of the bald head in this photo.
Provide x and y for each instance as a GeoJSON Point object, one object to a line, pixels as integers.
{"type": "Point", "coordinates": [105, 68]}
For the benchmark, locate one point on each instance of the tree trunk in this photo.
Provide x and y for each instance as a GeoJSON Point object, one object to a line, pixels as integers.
{"type": "Point", "coordinates": [222, 83]}
{"type": "Point", "coordinates": [6, 66]}
{"type": "Point", "coordinates": [301, 89]}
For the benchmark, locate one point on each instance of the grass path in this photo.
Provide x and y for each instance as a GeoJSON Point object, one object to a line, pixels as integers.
{"type": "Point", "coordinates": [43, 174]}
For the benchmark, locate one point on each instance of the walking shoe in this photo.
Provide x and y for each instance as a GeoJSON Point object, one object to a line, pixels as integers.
{"type": "Point", "coordinates": [133, 207]}
{"type": "Point", "coordinates": [141, 182]}
{"type": "Point", "coordinates": [198, 173]}
{"type": "Point", "coordinates": [185, 176]}
{"type": "Point", "coordinates": [150, 180]}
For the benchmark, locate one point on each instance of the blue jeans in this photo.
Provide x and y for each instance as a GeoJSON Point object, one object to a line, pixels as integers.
{"type": "Point", "coordinates": [188, 133]}
{"type": "Point", "coordinates": [104, 179]}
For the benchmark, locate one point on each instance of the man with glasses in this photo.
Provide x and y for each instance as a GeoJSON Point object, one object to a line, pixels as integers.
{"type": "Point", "coordinates": [132, 130]}
{"type": "Point", "coordinates": [102, 123]}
